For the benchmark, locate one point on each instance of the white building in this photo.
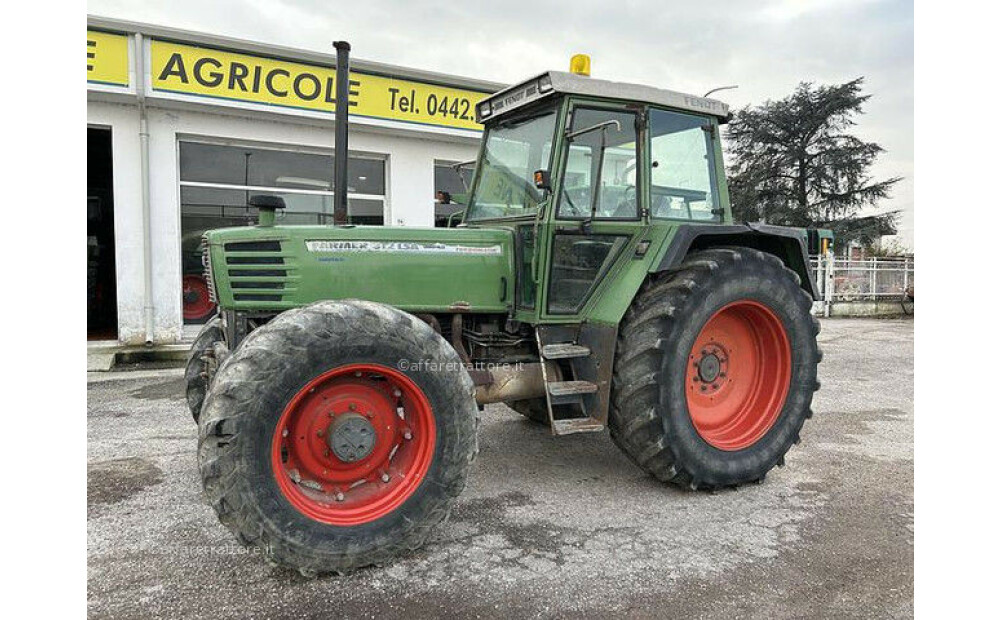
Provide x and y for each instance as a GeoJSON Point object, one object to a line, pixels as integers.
{"type": "Point", "coordinates": [184, 127]}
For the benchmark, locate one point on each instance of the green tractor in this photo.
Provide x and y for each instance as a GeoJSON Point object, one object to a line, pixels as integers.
{"type": "Point", "coordinates": [597, 281]}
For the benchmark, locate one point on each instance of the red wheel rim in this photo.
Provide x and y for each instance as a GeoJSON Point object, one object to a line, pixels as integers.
{"type": "Point", "coordinates": [738, 375]}
{"type": "Point", "coordinates": [320, 450]}
{"type": "Point", "coordinates": [197, 300]}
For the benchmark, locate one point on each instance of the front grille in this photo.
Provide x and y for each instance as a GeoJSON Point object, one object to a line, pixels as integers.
{"type": "Point", "coordinates": [206, 263]}
{"type": "Point", "coordinates": [254, 272]}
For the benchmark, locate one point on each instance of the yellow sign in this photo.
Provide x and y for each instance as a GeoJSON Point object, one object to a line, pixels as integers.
{"type": "Point", "coordinates": [254, 79]}
{"type": "Point", "coordinates": [107, 58]}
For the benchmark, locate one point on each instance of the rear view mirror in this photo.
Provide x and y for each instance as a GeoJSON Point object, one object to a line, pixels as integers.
{"type": "Point", "coordinates": [542, 180]}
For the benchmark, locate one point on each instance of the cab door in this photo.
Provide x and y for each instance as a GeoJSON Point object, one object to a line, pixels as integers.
{"type": "Point", "coordinates": [598, 207]}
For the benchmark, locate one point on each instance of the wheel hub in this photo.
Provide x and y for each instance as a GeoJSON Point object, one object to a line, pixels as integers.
{"type": "Point", "coordinates": [351, 437]}
{"type": "Point", "coordinates": [709, 367]}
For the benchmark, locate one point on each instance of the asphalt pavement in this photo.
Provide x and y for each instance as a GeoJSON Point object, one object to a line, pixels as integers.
{"type": "Point", "coordinates": [548, 526]}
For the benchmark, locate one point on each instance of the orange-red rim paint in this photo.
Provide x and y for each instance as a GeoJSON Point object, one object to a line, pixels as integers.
{"type": "Point", "coordinates": [200, 305]}
{"type": "Point", "coordinates": [738, 375]}
{"type": "Point", "coordinates": [329, 490]}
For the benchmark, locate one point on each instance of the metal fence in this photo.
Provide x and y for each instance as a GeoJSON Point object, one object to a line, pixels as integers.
{"type": "Point", "coordinates": [871, 279]}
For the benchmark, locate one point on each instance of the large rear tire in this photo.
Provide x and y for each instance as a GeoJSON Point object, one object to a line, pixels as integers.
{"type": "Point", "coordinates": [715, 370]}
{"type": "Point", "coordinates": [329, 442]}
{"type": "Point", "coordinates": [198, 371]}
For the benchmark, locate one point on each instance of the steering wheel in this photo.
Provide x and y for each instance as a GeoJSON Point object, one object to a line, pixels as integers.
{"type": "Point", "coordinates": [569, 201]}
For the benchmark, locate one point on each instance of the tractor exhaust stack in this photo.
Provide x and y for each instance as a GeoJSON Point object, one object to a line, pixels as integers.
{"type": "Point", "coordinates": [340, 132]}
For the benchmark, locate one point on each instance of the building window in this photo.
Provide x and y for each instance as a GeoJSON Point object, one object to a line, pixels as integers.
{"type": "Point", "coordinates": [450, 192]}
{"type": "Point", "coordinates": [218, 180]}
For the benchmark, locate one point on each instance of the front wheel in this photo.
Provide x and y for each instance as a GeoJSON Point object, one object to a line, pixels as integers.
{"type": "Point", "coordinates": [715, 370]}
{"type": "Point", "coordinates": [330, 441]}
{"type": "Point", "coordinates": [201, 365]}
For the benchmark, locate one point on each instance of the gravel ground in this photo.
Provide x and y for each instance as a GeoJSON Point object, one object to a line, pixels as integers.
{"type": "Point", "coordinates": [548, 527]}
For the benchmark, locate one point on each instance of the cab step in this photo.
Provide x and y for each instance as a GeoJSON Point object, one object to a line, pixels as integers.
{"type": "Point", "coordinates": [576, 425]}
{"type": "Point", "coordinates": [571, 388]}
{"type": "Point", "coordinates": [564, 350]}
{"type": "Point", "coordinates": [570, 393]}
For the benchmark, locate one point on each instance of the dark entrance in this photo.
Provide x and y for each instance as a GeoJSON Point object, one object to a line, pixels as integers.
{"type": "Point", "coordinates": [102, 307]}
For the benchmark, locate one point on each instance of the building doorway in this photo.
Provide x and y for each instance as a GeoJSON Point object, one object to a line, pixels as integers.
{"type": "Point", "coordinates": [102, 302]}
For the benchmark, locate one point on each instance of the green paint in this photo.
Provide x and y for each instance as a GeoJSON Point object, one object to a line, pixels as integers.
{"type": "Point", "coordinates": [430, 269]}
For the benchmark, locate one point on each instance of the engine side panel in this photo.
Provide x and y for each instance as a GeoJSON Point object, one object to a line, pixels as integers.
{"type": "Point", "coordinates": [265, 269]}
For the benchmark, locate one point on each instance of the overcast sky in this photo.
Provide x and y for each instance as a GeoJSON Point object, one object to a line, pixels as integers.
{"type": "Point", "coordinates": [764, 46]}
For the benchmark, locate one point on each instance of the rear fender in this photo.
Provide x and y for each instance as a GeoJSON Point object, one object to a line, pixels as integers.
{"type": "Point", "coordinates": [788, 244]}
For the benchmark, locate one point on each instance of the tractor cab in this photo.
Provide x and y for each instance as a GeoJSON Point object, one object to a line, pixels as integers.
{"type": "Point", "coordinates": [591, 174]}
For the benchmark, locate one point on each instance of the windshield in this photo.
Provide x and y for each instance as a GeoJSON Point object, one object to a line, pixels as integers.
{"type": "Point", "coordinates": [514, 151]}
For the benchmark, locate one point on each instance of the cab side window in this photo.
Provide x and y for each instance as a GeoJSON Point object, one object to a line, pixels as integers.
{"type": "Point", "coordinates": [601, 161]}
{"type": "Point", "coordinates": [682, 179]}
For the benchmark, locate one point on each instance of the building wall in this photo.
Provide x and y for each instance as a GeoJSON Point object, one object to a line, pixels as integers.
{"type": "Point", "coordinates": [123, 120]}
{"type": "Point", "coordinates": [409, 190]}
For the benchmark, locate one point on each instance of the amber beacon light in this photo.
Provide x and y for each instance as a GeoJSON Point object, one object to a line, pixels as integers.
{"type": "Point", "coordinates": [580, 64]}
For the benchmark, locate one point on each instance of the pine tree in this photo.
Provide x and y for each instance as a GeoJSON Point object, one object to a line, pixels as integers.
{"type": "Point", "coordinates": [794, 162]}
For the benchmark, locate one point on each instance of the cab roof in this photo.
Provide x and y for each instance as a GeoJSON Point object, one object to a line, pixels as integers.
{"type": "Point", "coordinates": [560, 82]}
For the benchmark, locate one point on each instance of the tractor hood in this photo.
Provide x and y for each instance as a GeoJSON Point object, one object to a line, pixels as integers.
{"type": "Point", "coordinates": [414, 269]}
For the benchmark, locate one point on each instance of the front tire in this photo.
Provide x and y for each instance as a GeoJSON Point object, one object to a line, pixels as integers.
{"type": "Point", "coordinates": [338, 435]}
{"type": "Point", "coordinates": [199, 370]}
{"type": "Point", "coordinates": [715, 370]}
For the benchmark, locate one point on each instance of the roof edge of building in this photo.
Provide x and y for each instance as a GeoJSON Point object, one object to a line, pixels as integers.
{"type": "Point", "coordinates": [289, 53]}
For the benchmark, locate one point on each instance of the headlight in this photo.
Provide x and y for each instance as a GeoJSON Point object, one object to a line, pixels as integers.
{"type": "Point", "coordinates": [484, 109]}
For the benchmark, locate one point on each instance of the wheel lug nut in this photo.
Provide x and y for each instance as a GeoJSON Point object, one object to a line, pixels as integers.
{"type": "Point", "coordinates": [319, 432]}
{"type": "Point", "coordinates": [703, 388]}
{"type": "Point", "coordinates": [407, 435]}
{"type": "Point", "coordinates": [339, 496]}
{"type": "Point", "coordinates": [385, 477]}
{"type": "Point", "coordinates": [352, 407]}
{"type": "Point", "coordinates": [397, 393]}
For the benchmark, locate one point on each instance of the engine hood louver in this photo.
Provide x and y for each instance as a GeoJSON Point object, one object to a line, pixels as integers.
{"type": "Point", "coordinates": [257, 271]}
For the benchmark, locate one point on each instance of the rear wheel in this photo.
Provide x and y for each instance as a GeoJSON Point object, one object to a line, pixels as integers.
{"type": "Point", "coordinates": [320, 447]}
{"type": "Point", "coordinates": [198, 304]}
{"type": "Point", "coordinates": [715, 370]}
